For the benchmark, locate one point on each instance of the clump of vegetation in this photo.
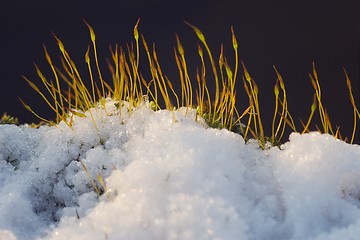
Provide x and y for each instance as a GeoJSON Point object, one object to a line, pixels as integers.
{"type": "Point", "coordinates": [217, 108]}
{"type": "Point", "coordinates": [7, 119]}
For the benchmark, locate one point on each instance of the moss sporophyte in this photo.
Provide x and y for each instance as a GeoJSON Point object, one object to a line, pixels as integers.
{"type": "Point", "coordinates": [68, 93]}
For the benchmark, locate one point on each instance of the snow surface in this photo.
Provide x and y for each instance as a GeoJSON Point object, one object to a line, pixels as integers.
{"type": "Point", "coordinates": [168, 176]}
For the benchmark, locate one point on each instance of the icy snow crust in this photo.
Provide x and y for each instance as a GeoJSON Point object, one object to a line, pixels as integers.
{"type": "Point", "coordinates": [168, 176]}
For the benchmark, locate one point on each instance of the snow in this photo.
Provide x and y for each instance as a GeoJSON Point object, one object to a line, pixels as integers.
{"type": "Point", "coordinates": [167, 176]}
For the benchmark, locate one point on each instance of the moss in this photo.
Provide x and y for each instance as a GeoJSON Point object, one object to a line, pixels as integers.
{"type": "Point", "coordinates": [218, 108]}
{"type": "Point", "coordinates": [7, 119]}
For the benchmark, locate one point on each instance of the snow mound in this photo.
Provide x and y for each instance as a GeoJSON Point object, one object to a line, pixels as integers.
{"type": "Point", "coordinates": [167, 176]}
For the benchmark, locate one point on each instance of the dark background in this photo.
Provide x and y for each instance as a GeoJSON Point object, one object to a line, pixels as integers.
{"type": "Point", "coordinates": [288, 34]}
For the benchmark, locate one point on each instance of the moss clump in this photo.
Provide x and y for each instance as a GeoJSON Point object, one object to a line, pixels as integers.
{"type": "Point", "coordinates": [217, 108]}
{"type": "Point", "coordinates": [7, 119]}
